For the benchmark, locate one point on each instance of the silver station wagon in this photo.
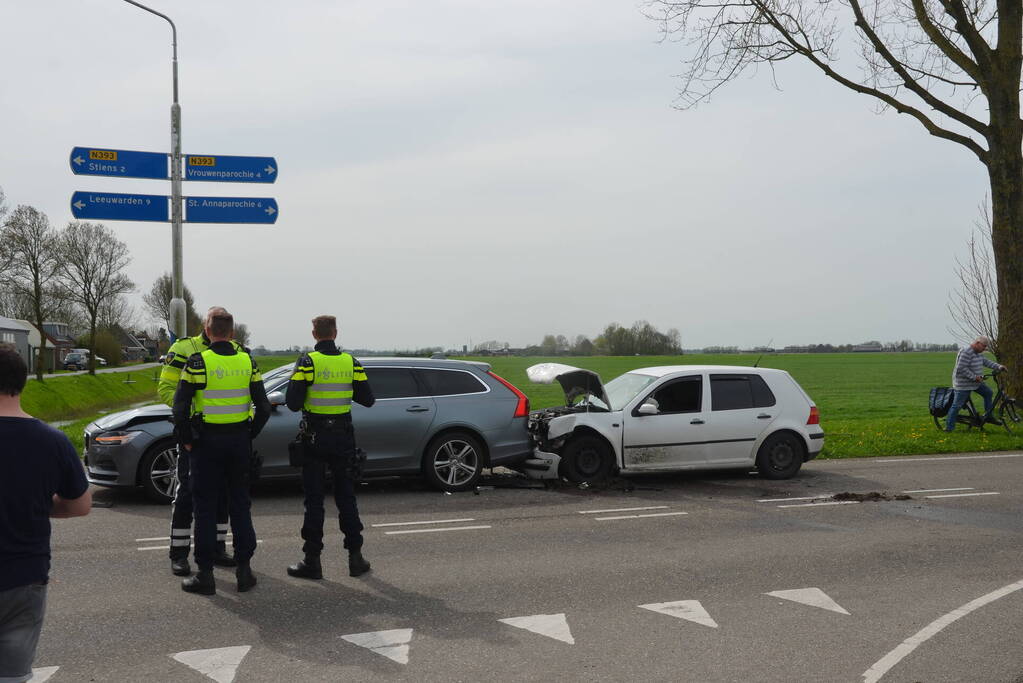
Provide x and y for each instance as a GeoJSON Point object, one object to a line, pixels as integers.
{"type": "Point", "coordinates": [446, 420]}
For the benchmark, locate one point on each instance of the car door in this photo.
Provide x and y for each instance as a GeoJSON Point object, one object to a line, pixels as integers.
{"type": "Point", "coordinates": [742, 407]}
{"type": "Point", "coordinates": [393, 431]}
{"type": "Point", "coordinates": [272, 442]}
{"type": "Point", "coordinates": [674, 437]}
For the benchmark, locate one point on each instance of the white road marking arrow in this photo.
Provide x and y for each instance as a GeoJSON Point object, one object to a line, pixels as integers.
{"type": "Point", "coordinates": [270, 211]}
{"type": "Point", "coordinates": [690, 610]}
{"type": "Point", "coordinates": [79, 205]}
{"type": "Point", "coordinates": [393, 644]}
{"type": "Point", "coordinates": [269, 169]}
{"type": "Point", "coordinates": [551, 625]}
{"type": "Point", "coordinates": [814, 597]}
{"type": "Point", "coordinates": [42, 674]}
{"type": "Point", "coordinates": [220, 664]}
{"type": "Point", "coordinates": [78, 160]}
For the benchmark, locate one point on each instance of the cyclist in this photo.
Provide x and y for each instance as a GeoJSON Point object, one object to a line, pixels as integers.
{"type": "Point", "coordinates": [967, 377]}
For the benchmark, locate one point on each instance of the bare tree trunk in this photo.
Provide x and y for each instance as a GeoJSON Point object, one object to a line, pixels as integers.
{"type": "Point", "coordinates": [92, 342]}
{"type": "Point", "coordinates": [41, 357]}
{"type": "Point", "coordinates": [1006, 174]}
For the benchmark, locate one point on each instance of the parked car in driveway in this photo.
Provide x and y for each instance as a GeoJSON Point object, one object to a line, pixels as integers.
{"type": "Point", "coordinates": [679, 417]}
{"type": "Point", "coordinates": [76, 361]}
{"type": "Point", "coordinates": [446, 420]}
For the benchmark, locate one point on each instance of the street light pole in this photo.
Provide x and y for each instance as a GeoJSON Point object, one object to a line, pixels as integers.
{"type": "Point", "coordinates": [177, 303]}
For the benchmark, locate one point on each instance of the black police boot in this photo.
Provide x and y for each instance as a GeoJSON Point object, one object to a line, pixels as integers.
{"type": "Point", "coordinates": [222, 558]}
{"type": "Point", "coordinates": [202, 583]}
{"type": "Point", "coordinates": [357, 564]}
{"type": "Point", "coordinates": [180, 566]}
{"type": "Point", "coordinates": [246, 579]}
{"type": "Point", "coordinates": [309, 568]}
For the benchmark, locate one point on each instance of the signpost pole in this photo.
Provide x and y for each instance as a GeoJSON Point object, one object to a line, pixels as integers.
{"type": "Point", "coordinates": [177, 303]}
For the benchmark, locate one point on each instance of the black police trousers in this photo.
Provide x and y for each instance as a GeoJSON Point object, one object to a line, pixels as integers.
{"type": "Point", "coordinates": [181, 512]}
{"type": "Point", "coordinates": [331, 448]}
{"type": "Point", "coordinates": [222, 456]}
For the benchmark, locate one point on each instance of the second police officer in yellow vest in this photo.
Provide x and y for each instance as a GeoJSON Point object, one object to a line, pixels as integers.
{"type": "Point", "coordinates": [217, 392]}
{"type": "Point", "coordinates": [181, 506]}
{"type": "Point", "coordinates": [323, 386]}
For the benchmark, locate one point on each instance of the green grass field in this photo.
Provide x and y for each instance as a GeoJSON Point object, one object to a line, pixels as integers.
{"type": "Point", "coordinates": [870, 403]}
{"type": "Point", "coordinates": [79, 399]}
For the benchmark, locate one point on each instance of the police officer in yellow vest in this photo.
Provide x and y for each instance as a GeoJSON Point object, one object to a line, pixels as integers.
{"type": "Point", "coordinates": [323, 386]}
{"type": "Point", "coordinates": [212, 406]}
{"type": "Point", "coordinates": [181, 508]}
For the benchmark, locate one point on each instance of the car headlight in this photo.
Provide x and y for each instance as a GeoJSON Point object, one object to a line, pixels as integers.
{"type": "Point", "coordinates": [115, 438]}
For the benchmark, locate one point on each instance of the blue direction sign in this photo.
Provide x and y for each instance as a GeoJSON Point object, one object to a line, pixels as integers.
{"type": "Point", "coordinates": [119, 163]}
{"type": "Point", "coordinates": [120, 207]}
{"type": "Point", "coordinates": [230, 210]}
{"type": "Point", "coordinates": [217, 168]}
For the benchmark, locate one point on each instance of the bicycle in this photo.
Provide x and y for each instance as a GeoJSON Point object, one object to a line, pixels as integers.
{"type": "Point", "coordinates": [1002, 405]}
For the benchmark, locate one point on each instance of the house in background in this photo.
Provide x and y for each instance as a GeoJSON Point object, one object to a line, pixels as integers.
{"type": "Point", "coordinates": [58, 344]}
{"type": "Point", "coordinates": [16, 333]}
{"type": "Point", "coordinates": [131, 348]}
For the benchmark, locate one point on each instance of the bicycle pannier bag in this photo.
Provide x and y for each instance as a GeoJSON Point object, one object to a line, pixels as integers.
{"type": "Point", "coordinates": [940, 401]}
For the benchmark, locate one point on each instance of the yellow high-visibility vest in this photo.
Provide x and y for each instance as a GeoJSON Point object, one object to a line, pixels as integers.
{"type": "Point", "coordinates": [225, 398]}
{"type": "Point", "coordinates": [331, 390]}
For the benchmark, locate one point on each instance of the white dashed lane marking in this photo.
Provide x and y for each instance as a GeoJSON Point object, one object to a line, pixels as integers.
{"type": "Point", "coordinates": [597, 512]}
{"type": "Point", "coordinates": [427, 531]}
{"type": "Point", "coordinates": [961, 488]}
{"type": "Point", "coordinates": [965, 495]}
{"type": "Point", "coordinates": [436, 521]}
{"type": "Point", "coordinates": [786, 500]}
{"type": "Point", "coordinates": [167, 547]}
{"type": "Point", "coordinates": [814, 505]}
{"type": "Point", "coordinates": [654, 514]}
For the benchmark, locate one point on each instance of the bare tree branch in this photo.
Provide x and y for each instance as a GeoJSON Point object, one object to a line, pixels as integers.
{"type": "Point", "coordinates": [92, 271]}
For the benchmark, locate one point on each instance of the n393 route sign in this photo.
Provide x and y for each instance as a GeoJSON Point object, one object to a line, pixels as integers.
{"type": "Point", "coordinates": [230, 210]}
{"type": "Point", "coordinates": [119, 163]}
{"type": "Point", "coordinates": [229, 169]}
{"type": "Point", "coordinates": [120, 207]}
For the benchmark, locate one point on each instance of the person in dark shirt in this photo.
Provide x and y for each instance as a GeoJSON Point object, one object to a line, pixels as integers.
{"type": "Point", "coordinates": [40, 477]}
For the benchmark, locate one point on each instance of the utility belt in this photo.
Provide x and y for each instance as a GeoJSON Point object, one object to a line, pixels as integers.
{"type": "Point", "coordinates": [314, 422]}
{"type": "Point", "coordinates": [313, 428]}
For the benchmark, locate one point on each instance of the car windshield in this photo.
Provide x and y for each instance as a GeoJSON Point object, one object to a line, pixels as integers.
{"type": "Point", "coordinates": [624, 388]}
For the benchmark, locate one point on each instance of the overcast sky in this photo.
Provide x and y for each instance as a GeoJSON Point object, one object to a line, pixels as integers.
{"type": "Point", "coordinates": [457, 171]}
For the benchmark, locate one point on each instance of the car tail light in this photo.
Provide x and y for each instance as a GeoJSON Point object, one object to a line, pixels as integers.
{"type": "Point", "coordinates": [522, 407]}
{"type": "Point", "coordinates": [815, 416]}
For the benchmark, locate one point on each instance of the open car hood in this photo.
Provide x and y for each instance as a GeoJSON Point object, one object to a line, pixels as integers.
{"type": "Point", "coordinates": [574, 381]}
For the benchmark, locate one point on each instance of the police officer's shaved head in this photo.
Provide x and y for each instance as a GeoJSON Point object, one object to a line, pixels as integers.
{"type": "Point", "coordinates": [219, 324]}
{"type": "Point", "coordinates": [324, 327]}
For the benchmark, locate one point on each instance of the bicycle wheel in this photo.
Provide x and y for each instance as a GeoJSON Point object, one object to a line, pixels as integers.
{"type": "Point", "coordinates": [939, 422]}
{"type": "Point", "coordinates": [1008, 415]}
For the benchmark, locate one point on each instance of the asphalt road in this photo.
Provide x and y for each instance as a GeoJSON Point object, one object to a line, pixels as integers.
{"type": "Point", "coordinates": [701, 577]}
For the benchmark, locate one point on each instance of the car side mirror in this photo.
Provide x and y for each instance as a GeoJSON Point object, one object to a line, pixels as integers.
{"type": "Point", "coordinates": [648, 409]}
{"type": "Point", "coordinates": [276, 398]}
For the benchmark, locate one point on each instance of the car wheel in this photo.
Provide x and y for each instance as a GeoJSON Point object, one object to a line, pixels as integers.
{"type": "Point", "coordinates": [454, 461]}
{"type": "Point", "coordinates": [159, 472]}
{"type": "Point", "coordinates": [780, 456]}
{"type": "Point", "coordinates": [586, 458]}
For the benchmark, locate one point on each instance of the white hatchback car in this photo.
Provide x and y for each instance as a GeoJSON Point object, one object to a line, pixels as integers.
{"type": "Point", "coordinates": [677, 417]}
